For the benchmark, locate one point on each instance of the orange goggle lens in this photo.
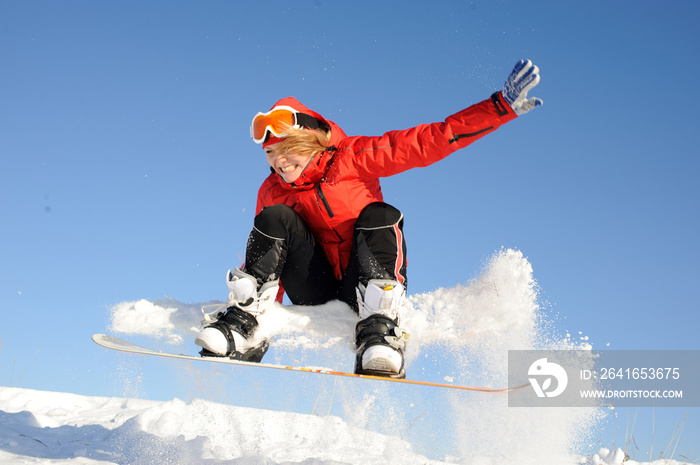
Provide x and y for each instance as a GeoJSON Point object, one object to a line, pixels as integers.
{"type": "Point", "coordinates": [275, 121]}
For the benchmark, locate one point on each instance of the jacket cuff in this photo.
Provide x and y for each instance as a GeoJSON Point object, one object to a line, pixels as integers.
{"type": "Point", "coordinates": [502, 107]}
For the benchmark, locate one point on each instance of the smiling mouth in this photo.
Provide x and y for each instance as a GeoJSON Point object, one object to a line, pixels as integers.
{"type": "Point", "coordinates": [287, 169]}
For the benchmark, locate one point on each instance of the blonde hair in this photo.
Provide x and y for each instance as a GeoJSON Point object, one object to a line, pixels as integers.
{"type": "Point", "coordinates": [304, 141]}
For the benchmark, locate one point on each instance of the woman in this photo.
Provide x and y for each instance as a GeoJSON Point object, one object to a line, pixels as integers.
{"type": "Point", "coordinates": [322, 230]}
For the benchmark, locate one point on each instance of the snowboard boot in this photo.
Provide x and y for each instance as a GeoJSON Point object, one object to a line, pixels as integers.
{"type": "Point", "coordinates": [379, 341]}
{"type": "Point", "coordinates": [231, 333]}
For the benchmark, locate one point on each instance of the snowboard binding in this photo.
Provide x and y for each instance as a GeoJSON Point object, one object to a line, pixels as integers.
{"type": "Point", "coordinates": [235, 325]}
{"type": "Point", "coordinates": [380, 346]}
{"type": "Point", "coordinates": [230, 333]}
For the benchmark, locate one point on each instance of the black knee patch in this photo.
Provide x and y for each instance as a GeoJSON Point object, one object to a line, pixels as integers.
{"type": "Point", "coordinates": [274, 221]}
{"type": "Point", "coordinates": [378, 214]}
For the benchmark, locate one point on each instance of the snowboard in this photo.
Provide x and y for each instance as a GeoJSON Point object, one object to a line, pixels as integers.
{"type": "Point", "coordinates": [114, 343]}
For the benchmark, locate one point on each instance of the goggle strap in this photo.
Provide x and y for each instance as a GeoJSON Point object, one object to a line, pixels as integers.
{"type": "Point", "coordinates": [308, 121]}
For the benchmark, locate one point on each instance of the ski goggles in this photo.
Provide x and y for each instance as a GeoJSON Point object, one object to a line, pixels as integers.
{"type": "Point", "coordinates": [276, 121]}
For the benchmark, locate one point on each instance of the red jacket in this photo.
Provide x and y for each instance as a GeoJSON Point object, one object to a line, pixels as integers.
{"type": "Point", "coordinates": [338, 184]}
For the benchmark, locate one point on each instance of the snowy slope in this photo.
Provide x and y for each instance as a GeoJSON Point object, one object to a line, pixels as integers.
{"type": "Point", "coordinates": [38, 427]}
{"type": "Point", "coordinates": [460, 334]}
{"type": "Point", "coordinates": [44, 425]}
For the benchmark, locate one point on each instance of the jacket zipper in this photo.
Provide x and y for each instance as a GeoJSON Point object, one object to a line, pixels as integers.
{"type": "Point", "coordinates": [473, 134]}
{"type": "Point", "coordinates": [324, 200]}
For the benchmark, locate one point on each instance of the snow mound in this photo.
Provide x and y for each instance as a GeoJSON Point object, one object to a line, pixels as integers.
{"type": "Point", "coordinates": [39, 427]}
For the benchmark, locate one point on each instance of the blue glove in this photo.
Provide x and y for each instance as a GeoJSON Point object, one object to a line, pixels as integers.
{"type": "Point", "coordinates": [524, 77]}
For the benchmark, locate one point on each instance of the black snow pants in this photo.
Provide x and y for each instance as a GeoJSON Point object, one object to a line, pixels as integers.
{"type": "Point", "coordinates": [281, 246]}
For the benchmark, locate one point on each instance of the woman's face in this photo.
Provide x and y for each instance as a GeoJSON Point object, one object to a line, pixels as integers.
{"type": "Point", "coordinates": [289, 165]}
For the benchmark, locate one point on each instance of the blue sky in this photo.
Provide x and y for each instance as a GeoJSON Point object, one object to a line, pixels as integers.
{"type": "Point", "coordinates": [127, 171]}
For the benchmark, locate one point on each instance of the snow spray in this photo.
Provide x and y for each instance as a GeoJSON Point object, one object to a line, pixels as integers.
{"type": "Point", "coordinates": [459, 335]}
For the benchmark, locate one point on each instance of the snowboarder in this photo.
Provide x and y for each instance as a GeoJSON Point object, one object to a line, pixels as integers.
{"type": "Point", "coordinates": [322, 230]}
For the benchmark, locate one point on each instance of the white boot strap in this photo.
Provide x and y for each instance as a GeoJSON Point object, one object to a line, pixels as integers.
{"type": "Point", "coordinates": [242, 289]}
{"type": "Point", "coordinates": [381, 297]}
{"type": "Point", "coordinates": [244, 292]}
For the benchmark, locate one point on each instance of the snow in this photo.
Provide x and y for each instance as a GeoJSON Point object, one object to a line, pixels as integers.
{"type": "Point", "coordinates": [460, 335]}
{"type": "Point", "coordinates": [43, 427]}
{"type": "Point", "coordinates": [39, 427]}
